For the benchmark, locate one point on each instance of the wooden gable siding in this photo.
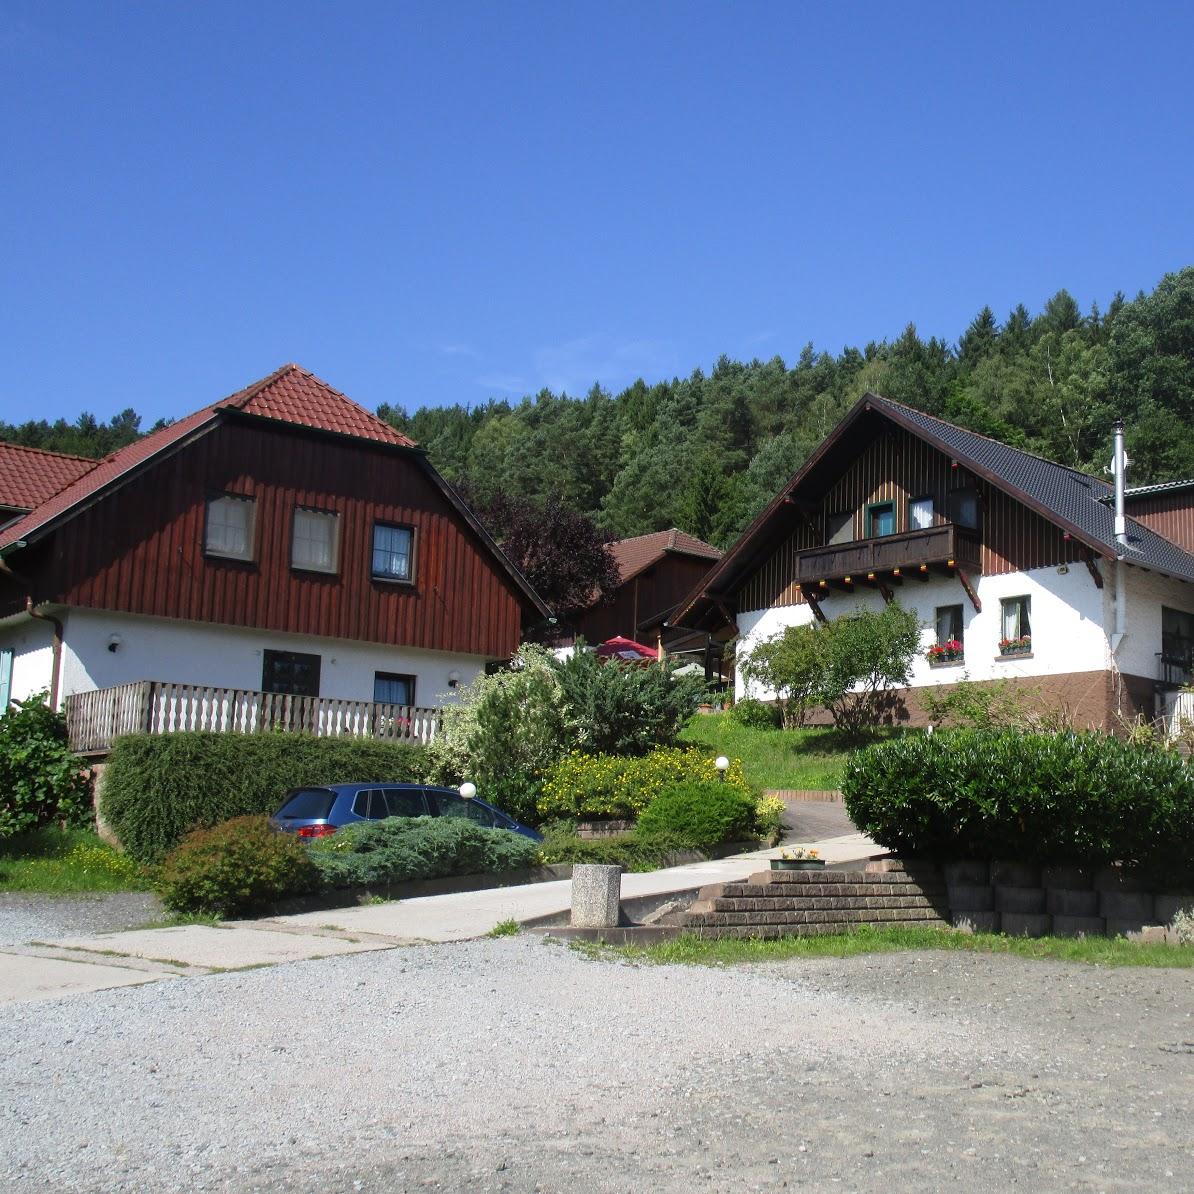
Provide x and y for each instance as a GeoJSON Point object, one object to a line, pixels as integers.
{"type": "Point", "coordinates": [140, 550]}
{"type": "Point", "coordinates": [1169, 514]}
{"type": "Point", "coordinates": [652, 592]}
{"type": "Point", "coordinates": [898, 467]}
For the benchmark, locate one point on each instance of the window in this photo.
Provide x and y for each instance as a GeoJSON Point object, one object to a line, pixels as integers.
{"type": "Point", "coordinates": [6, 656]}
{"type": "Point", "coordinates": [405, 802]}
{"type": "Point", "coordinates": [315, 540]}
{"type": "Point", "coordinates": [949, 624]}
{"type": "Point", "coordinates": [880, 519]}
{"type": "Point", "coordinates": [450, 805]}
{"type": "Point", "coordinates": [308, 804]}
{"type": "Point", "coordinates": [1177, 641]}
{"type": "Point", "coordinates": [371, 804]}
{"type": "Point", "coordinates": [963, 508]}
{"type": "Point", "coordinates": [839, 527]}
{"type": "Point", "coordinates": [290, 672]}
{"type": "Point", "coordinates": [1016, 623]}
{"type": "Point", "coordinates": [229, 529]}
{"type": "Point", "coordinates": [389, 689]}
{"type": "Point", "coordinates": [920, 514]}
{"type": "Point", "coordinates": [393, 551]}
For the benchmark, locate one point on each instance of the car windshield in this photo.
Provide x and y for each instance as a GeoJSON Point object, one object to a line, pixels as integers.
{"type": "Point", "coordinates": [308, 804]}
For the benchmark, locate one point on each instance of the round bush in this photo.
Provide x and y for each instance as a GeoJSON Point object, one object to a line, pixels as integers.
{"type": "Point", "coordinates": [699, 815]}
{"type": "Point", "coordinates": [756, 715]}
{"type": "Point", "coordinates": [1084, 798]}
{"type": "Point", "coordinates": [237, 867]}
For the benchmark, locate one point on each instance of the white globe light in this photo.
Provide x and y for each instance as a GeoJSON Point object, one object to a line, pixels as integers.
{"type": "Point", "coordinates": [721, 763]}
{"type": "Point", "coordinates": [468, 791]}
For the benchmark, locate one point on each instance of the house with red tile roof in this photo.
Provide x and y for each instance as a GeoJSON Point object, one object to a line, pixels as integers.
{"type": "Point", "coordinates": [280, 557]}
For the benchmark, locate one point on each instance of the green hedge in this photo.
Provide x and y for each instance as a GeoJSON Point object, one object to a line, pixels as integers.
{"type": "Point", "coordinates": [157, 787]}
{"type": "Point", "coordinates": [1052, 798]}
{"type": "Point", "coordinates": [398, 849]}
{"type": "Point", "coordinates": [699, 815]}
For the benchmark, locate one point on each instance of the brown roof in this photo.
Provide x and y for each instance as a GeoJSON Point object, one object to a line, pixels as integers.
{"type": "Point", "coordinates": [289, 395]}
{"type": "Point", "coordinates": [30, 476]}
{"type": "Point", "coordinates": [633, 555]}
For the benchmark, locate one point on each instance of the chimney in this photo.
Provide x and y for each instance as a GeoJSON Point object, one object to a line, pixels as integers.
{"type": "Point", "coordinates": [1119, 465]}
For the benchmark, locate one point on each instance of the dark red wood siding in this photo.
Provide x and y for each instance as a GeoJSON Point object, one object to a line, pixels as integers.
{"type": "Point", "coordinates": [1169, 514]}
{"type": "Point", "coordinates": [898, 467]}
{"type": "Point", "coordinates": [646, 596]}
{"type": "Point", "coordinates": [140, 550]}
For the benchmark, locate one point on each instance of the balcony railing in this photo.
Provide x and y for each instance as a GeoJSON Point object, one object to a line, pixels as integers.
{"type": "Point", "coordinates": [943, 545]}
{"type": "Point", "coordinates": [96, 719]}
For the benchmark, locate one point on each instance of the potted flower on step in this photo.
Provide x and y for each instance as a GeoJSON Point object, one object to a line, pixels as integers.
{"type": "Point", "coordinates": [798, 858]}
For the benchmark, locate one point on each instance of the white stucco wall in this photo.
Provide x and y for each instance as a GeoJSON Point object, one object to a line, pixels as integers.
{"type": "Point", "coordinates": [1069, 614]}
{"type": "Point", "coordinates": [1146, 593]}
{"type": "Point", "coordinates": [231, 657]}
{"type": "Point", "coordinates": [33, 653]}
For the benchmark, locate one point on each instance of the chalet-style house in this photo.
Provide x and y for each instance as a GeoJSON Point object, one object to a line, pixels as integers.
{"type": "Point", "coordinates": [281, 543]}
{"type": "Point", "coordinates": [1016, 566]}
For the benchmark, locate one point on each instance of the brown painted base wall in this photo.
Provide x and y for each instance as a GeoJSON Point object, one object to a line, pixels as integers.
{"type": "Point", "coordinates": [1084, 700]}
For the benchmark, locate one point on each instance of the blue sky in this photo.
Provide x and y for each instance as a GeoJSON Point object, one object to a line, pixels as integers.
{"type": "Point", "coordinates": [429, 203]}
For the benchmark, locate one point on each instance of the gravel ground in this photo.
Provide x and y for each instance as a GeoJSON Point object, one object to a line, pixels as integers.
{"type": "Point", "coordinates": [519, 1065]}
{"type": "Point", "coordinates": [34, 916]}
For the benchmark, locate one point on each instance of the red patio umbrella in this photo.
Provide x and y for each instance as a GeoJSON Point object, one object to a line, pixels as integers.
{"type": "Point", "coordinates": [627, 650]}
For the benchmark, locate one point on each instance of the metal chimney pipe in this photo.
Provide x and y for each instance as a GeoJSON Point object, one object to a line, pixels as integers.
{"type": "Point", "coordinates": [1119, 465]}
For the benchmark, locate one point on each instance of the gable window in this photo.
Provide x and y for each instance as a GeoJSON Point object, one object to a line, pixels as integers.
{"type": "Point", "coordinates": [880, 519]}
{"type": "Point", "coordinates": [290, 672]}
{"type": "Point", "coordinates": [6, 657]}
{"type": "Point", "coordinates": [920, 514]}
{"type": "Point", "coordinates": [949, 624]}
{"type": "Point", "coordinates": [229, 527]}
{"type": "Point", "coordinates": [391, 689]}
{"type": "Point", "coordinates": [963, 507]}
{"type": "Point", "coordinates": [839, 527]}
{"type": "Point", "coordinates": [315, 540]}
{"type": "Point", "coordinates": [393, 552]}
{"type": "Point", "coordinates": [1017, 625]}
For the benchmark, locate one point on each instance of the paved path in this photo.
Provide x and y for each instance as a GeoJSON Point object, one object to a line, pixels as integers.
{"type": "Point", "coordinates": [51, 968]}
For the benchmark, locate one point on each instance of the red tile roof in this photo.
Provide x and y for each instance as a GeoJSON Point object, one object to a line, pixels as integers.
{"type": "Point", "coordinates": [289, 395]}
{"type": "Point", "coordinates": [633, 555]}
{"type": "Point", "coordinates": [29, 476]}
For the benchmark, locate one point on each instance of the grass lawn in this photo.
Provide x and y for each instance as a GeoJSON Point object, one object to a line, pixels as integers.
{"type": "Point", "coordinates": [1100, 951]}
{"type": "Point", "coordinates": [810, 758]}
{"type": "Point", "coordinates": [65, 860]}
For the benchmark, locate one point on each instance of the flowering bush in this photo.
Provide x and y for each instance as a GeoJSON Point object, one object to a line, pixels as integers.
{"type": "Point", "coordinates": [768, 814]}
{"type": "Point", "coordinates": [586, 787]}
{"type": "Point", "coordinates": [1013, 646]}
{"type": "Point", "coordinates": [945, 652]}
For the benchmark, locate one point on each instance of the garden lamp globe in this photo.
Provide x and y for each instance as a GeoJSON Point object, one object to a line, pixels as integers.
{"type": "Point", "coordinates": [723, 765]}
{"type": "Point", "coordinates": [468, 791]}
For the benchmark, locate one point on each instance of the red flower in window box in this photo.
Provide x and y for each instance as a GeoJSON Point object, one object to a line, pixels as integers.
{"type": "Point", "coordinates": [947, 652]}
{"type": "Point", "coordinates": [1015, 646]}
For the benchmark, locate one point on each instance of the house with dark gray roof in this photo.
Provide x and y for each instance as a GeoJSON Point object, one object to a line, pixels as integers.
{"type": "Point", "coordinates": [1014, 563]}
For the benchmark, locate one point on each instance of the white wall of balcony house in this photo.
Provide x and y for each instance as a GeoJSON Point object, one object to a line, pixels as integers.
{"type": "Point", "coordinates": [31, 642]}
{"type": "Point", "coordinates": [1147, 593]}
{"type": "Point", "coordinates": [231, 657]}
{"type": "Point", "coordinates": [1069, 614]}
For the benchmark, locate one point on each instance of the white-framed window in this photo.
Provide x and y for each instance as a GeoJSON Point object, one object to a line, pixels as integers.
{"type": "Point", "coordinates": [1017, 621]}
{"type": "Point", "coordinates": [229, 527]}
{"type": "Point", "coordinates": [920, 514]}
{"type": "Point", "coordinates": [949, 624]}
{"type": "Point", "coordinates": [315, 542]}
{"type": "Point", "coordinates": [6, 657]}
{"type": "Point", "coordinates": [393, 552]}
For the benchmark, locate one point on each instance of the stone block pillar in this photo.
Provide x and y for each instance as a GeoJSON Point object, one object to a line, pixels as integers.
{"type": "Point", "coordinates": [596, 896]}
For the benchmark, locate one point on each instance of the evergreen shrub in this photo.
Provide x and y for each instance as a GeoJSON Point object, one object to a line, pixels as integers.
{"type": "Point", "coordinates": [159, 786]}
{"type": "Point", "coordinates": [399, 849]}
{"type": "Point", "coordinates": [585, 787]}
{"type": "Point", "coordinates": [1082, 798]}
{"type": "Point", "coordinates": [756, 715]}
{"type": "Point", "coordinates": [240, 866]}
{"type": "Point", "coordinates": [699, 815]}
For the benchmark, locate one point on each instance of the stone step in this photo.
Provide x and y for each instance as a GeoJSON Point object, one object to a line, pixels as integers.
{"type": "Point", "coordinates": [801, 878]}
{"type": "Point", "coordinates": [806, 930]}
{"type": "Point", "coordinates": [821, 916]}
{"type": "Point", "coordinates": [758, 891]}
{"type": "Point", "coordinates": [817, 902]}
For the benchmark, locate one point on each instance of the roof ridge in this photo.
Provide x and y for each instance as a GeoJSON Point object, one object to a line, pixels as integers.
{"type": "Point", "coordinates": [92, 460]}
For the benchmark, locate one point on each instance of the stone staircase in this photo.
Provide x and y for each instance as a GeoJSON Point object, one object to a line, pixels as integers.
{"type": "Point", "coordinates": [787, 903]}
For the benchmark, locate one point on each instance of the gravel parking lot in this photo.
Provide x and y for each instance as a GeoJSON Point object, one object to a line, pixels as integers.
{"type": "Point", "coordinates": [37, 916]}
{"type": "Point", "coordinates": [518, 1065]}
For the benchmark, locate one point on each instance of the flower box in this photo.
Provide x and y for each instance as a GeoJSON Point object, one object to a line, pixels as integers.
{"type": "Point", "coordinates": [948, 652]}
{"type": "Point", "coordinates": [797, 864]}
{"type": "Point", "coordinates": [1015, 646]}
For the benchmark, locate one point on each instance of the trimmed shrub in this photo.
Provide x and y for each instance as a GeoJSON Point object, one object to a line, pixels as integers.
{"type": "Point", "coordinates": [611, 787]}
{"type": "Point", "coordinates": [627, 850]}
{"type": "Point", "coordinates": [237, 867]}
{"type": "Point", "coordinates": [1083, 798]}
{"type": "Point", "coordinates": [398, 849]}
{"type": "Point", "coordinates": [755, 715]}
{"type": "Point", "coordinates": [41, 781]}
{"type": "Point", "coordinates": [157, 787]}
{"type": "Point", "coordinates": [699, 815]}
{"type": "Point", "coordinates": [517, 794]}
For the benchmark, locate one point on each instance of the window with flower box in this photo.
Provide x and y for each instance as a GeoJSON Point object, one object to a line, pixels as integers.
{"type": "Point", "coordinates": [1017, 626]}
{"type": "Point", "coordinates": [949, 647]}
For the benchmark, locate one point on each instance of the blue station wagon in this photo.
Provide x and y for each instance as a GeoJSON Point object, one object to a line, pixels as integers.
{"type": "Point", "coordinates": [320, 811]}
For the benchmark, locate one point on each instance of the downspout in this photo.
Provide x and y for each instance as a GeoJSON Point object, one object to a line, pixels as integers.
{"type": "Point", "coordinates": [56, 660]}
{"type": "Point", "coordinates": [1119, 465]}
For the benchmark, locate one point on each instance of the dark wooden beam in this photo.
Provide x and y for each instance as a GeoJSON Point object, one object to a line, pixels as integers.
{"type": "Point", "coordinates": [814, 602]}
{"type": "Point", "coordinates": [888, 595]}
{"type": "Point", "coordinates": [978, 605]}
{"type": "Point", "coordinates": [1093, 569]}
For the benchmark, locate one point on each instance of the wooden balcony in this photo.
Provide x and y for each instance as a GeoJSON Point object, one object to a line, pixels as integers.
{"type": "Point", "coordinates": [890, 557]}
{"type": "Point", "coordinates": [95, 719]}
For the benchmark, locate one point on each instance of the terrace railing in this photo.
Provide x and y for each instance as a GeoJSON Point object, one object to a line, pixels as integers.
{"type": "Point", "coordinates": [96, 719]}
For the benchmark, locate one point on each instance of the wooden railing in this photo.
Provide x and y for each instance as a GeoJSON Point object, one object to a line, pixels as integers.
{"type": "Point", "coordinates": [95, 719]}
{"type": "Point", "coordinates": [932, 545]}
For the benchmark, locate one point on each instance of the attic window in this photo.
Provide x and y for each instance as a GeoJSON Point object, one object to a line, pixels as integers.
{"type": "Point", "coordinates": [228, 532]}
{"type": "Point", "coordinates": [315, 542]}
{"type": "Point", "coordinates": [963, 507]}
